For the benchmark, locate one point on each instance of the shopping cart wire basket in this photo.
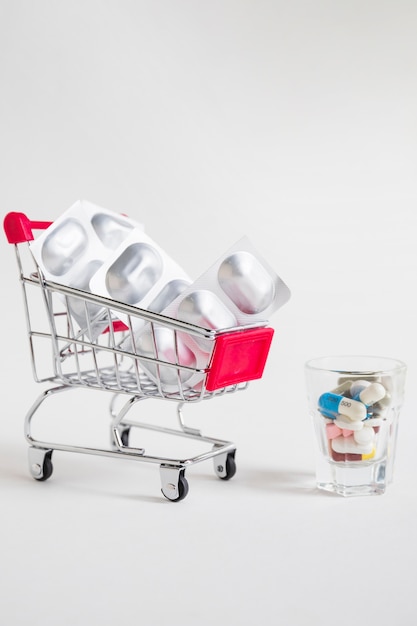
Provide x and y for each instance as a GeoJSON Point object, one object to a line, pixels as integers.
{"type": "Point", "coordinates": [111, 360]}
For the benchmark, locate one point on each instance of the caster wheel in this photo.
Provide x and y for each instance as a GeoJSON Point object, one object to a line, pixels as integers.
{"type": "Point", "coordinates": [225, 466]}
{"type": "Point", "coordinates": [41, 466]}
{"type": "Point", "coordinates": [176, 491]}
{"type": "Point", "coordinates": [182, 488]}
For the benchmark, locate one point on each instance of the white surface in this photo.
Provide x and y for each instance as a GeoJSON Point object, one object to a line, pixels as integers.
{"type": "Point", "coordinates": [292, 123]}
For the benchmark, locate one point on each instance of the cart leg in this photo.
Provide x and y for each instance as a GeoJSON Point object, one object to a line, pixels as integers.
{"type": "Point", "coordinates": [174, 485]}
{"type": "Point", "coordinates": [40, 463]}
{"type": "Point", "coordinates": [120, 432]}
{"type": "Point", "coordinates": [124, 433]}
{"type": "Point", "coordinates": [225, 465]}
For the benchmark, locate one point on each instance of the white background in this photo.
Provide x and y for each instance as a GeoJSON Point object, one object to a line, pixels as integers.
{"type": "Point", "coordinates": [293, 123]}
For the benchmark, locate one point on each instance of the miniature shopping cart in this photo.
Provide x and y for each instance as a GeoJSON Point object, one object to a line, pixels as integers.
{"type": "Point", "coordinates": [112, 362]}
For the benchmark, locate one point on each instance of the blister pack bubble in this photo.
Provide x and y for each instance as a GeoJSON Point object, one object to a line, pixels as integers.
{"type": "Point", "coordinates": [73, 249]}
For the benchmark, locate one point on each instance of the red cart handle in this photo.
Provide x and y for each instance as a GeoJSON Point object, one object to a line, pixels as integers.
{"type": "Point", "coordinates": [18, 227]}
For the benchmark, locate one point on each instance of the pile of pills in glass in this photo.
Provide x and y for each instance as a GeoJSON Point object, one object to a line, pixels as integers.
{"type": "Point", "coordinates": [353, 414]}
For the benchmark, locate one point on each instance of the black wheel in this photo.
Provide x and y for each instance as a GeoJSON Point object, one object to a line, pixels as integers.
{"type": "Point", "coordinates": [47, 468]}
{"type": "Point", "coordinates": [182, 489]}
{"type": "Point", "coordinates": [230, 467]}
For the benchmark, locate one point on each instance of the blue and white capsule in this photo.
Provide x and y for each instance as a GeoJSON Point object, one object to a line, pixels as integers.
{"type": "Point", "coordinates": [332, 404]}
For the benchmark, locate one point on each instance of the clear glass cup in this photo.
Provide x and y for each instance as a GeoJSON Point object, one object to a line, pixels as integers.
{"type": "Point", "coordinates": [355, 403]}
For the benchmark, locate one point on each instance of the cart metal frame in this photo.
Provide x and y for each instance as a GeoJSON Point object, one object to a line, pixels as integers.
{"type": "Point", "coordinates": [79, 360]}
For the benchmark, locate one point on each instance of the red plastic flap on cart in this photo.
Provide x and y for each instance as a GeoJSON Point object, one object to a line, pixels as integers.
{"type": "Point", "coordinates": [118, 326]}
{"type": "Point", "coordinates": [239, 357]}
{"type": "Point", "coordinates": [18, 227]}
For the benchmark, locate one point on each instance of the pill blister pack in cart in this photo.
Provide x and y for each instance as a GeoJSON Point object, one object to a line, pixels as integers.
{"type": "Point", "coordinates": [356, 417]}
{"type": "Point", "coordinates": [239, 289]}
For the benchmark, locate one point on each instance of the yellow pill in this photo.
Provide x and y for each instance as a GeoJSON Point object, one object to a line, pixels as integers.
{"type": "Point", "coordinates": [371, 455]}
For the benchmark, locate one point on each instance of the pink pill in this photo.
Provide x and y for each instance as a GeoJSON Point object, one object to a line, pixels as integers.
{"type": "Point", "coordinates": [332, 431]}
